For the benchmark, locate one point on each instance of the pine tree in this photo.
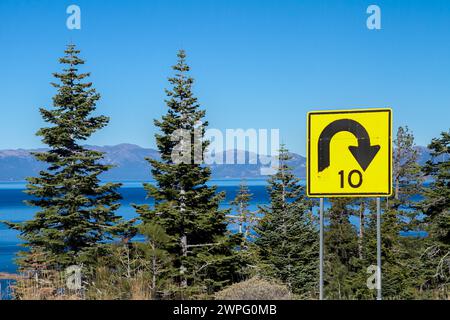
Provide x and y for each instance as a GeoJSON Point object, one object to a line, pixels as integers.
{"type": "Point", "coordinates": [245, 221]}
{"type": "Point", "coordinates": [400, 266]}
{"type": "Point", "coordinates": [407, 175]}
{"type": "Point", "coordinates": [399, 254]}
{"type": "Point", "coordinates": [243, 217]}
{"type": "Point", "coordinates": [185, 206]}
{"type": "Point", "coordinates": [436, 208]}
{"type": "Point", "coordinates": [155, 259]}
{"type": "Point", "coordinates": [287, 239]}
{"type": "Point", "coordinates": [341, 251]}
{"type": "Point", "coordinates": [77, 212]}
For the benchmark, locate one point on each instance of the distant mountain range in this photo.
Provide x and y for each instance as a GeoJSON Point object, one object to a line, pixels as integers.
{"type": "Point", "coordinates": [130, 164]}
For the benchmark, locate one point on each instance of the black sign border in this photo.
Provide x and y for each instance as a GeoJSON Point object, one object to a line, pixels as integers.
{"type": "Point", "coordinates": [362, 194]}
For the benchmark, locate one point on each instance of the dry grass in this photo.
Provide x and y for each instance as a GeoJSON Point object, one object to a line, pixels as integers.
{"type": "Point", "coordinates": [139, 289]}
{"type": "Point", "coordinates": [110, 286]}
{"type": "Point", "coordinates": [45, 285]}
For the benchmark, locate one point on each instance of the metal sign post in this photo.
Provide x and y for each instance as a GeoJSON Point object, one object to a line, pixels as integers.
{"type": "Point", "coordinates": [321, 252]}
{"type": "Point", "coordinates": [378, 249]}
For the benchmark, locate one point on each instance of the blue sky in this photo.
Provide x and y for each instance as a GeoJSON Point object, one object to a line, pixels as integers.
{"type": "Point", "coordinates": [257, 63]}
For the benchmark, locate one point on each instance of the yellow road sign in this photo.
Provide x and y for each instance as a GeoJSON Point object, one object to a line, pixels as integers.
{"type": "Point", "coordinates": [349, 153]}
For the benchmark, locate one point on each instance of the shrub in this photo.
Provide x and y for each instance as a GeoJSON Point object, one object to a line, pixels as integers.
{"type": "Point", "coordinates": [255, 289]}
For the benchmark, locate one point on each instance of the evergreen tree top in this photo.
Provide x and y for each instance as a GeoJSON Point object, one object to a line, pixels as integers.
{"type": "Point", "coordinates": [73, 103]}
{"type": "Point", "coordinates": [284, 185]}
{"type": "Point", "coordinates": [243, 195]}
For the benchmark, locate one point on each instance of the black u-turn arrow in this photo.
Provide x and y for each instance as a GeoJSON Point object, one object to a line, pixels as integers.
{"type": "Point", "coordinates": [363, 153]}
